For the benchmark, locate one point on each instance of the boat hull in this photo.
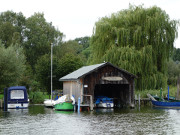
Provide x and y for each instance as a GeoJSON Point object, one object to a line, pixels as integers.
{"type": "Point", "coordinates": [65, 106]}
{"type": "Point", "coordinates": [17, 105]}
{"type": "Point", "coordinates": [166, 104]}
{"type": "Point", "coordinates": [105, 105]}
{"type": "Point", "coordinates": [49, 103]}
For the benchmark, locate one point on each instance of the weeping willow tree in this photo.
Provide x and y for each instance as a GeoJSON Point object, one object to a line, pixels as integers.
{"type": "Point", "coordinates": [139, 40]}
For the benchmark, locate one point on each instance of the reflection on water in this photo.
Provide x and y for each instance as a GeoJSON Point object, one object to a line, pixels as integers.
{"type": "Point", "coordinates": [40, 120]}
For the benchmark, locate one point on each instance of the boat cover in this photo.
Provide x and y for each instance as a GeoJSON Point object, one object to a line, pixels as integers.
{"type": "Point", "coordinates": [17, 94]}
{"type": "Point", "coordinates": [103, 99]}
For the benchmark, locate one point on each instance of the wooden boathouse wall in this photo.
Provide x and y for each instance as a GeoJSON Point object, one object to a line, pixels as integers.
{"type": "Point", "coordinates": [74, 88]}
{"type": "Point", "coordinates": [91, 82]}
{"type": "Point", "coordinates": [96, 78]}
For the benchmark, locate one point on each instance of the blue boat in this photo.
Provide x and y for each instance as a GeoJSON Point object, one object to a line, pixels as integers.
{"type": "Point", "coordinates": [17, 97]}
{"type": "Point", "coordinates": [160, 102]}
{"type": "Point", "coordinates": [166, 104]}
{"type": "Point", "coordinates": [104, 102]}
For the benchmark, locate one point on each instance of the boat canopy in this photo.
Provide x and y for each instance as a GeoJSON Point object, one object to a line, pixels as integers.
{"type": "Point", "coordinates": [103, 99]}
{"type": "Point", "coordinates": [17, 94]}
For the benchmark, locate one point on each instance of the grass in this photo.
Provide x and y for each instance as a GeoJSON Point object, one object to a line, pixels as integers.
{"type": "Point", "coordinates": [1, 96]}
{"type": "Point", "coordinates": [143, 94]}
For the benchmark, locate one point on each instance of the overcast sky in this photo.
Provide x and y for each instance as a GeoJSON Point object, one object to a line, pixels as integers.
{"type": "Point", "coordinates": [76, 18]}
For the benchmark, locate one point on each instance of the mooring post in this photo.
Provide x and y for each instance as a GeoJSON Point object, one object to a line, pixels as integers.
{"type": "Point", "coordinates": [91, 103]}
{"type": "Point", "coordinates": [168, 93]}
{"type": "Point", "coordinates": [79, 101]}
{"type": "Point", "coordinates": [5, 99]}
{"type": "Point", "coordinates": [139, 100]}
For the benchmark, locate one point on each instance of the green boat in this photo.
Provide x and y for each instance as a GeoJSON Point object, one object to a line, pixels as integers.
{"type": "Point", "coordinates": [65, 106]}
{"type": "Point", "coordinates": [65, 103]}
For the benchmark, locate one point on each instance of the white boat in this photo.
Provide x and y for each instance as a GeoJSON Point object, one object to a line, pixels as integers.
{"type": "Point", "coordinates": [17, 97]}
{"type": "Point", "coordinates": [49, 103]}
{"type": "Point", "coordinates": [105, 105]}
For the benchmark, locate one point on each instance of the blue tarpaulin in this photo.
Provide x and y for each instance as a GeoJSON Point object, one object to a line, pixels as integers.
{"type": "Point", "coordinates": [103, 99]}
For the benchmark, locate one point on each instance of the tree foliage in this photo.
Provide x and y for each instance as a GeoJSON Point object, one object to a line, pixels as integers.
{"type": "Point", "coordinates": [12, 65]}
{"type": "Point", "coordinates": [176, 55]}
{"type": "Point", "coordinates": [61, 67]}
{"type": "Point", "coordinates": [86, 49]}
{"type": "Point", "coordinates": [70, 46]}
{"type": "Point", "coordinates": [68, 64]}
{"type": "Point", "coordinates": [12, 26]}
{"type": "Point", "coordinates": [173, 72]}
{"type": "Point", "coordinates": [139, 40]}
{"type": "Point", "coordinates": [84, 41]}
{"type": "Point", "coordinates": [39, 35]}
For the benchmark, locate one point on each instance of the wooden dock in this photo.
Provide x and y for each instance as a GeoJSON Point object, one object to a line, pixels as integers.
{"type": "Point", "coordinates": [142, 101]}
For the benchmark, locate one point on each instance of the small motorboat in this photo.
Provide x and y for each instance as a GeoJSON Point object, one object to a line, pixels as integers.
{"type": "Point", "coordinates": [160, 102]}
{"type": "Point", "coordinates": [17, 97]}
{"type": "Point", "coordinates": [65, 103]}
{"type": "Point", "coordinates": [49, 103]}
{"type": "Point", "coordinates": [104, 102]}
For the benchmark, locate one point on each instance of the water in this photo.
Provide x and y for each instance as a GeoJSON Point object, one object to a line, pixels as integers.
{"type": "Point", "coordinates": [38, 120]}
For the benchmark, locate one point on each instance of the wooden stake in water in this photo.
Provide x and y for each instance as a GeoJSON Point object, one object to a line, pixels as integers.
{"type": "Point", "coordinates": [79, 101]}
{"type": "Point", "coordinates": [139, 100]}
{"type": "Point", "coordinates": [168, 92]}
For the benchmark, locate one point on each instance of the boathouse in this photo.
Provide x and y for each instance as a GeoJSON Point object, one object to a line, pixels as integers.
{"type": "Point", "coordinates": [103, 79]}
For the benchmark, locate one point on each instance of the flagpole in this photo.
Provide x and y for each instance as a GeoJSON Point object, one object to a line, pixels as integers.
{"type": "Point", "coordinates": [51, 67]}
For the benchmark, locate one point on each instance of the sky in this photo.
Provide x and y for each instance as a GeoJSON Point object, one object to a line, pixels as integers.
{"type": "Point", "coordinates": [76, 18]}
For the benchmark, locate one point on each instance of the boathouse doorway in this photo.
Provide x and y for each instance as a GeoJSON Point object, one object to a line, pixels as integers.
{"type": "Point", "coordinates": [118, 92]}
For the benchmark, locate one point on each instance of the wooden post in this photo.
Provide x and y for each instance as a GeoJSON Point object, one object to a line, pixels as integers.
{"type": "Point", "coordinates": [79, 102]}
{"type": "Point", "coordinates": [91, 103]}
{"type": "Point", "coordinates": [139, 100]}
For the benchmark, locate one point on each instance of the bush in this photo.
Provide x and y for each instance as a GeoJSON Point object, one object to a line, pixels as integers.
{"type": "Point", "coordinates": [36, 97]}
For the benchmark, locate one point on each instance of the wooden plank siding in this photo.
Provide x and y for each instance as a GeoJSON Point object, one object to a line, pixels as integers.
{"type": "Point", "coordinates": [76, 88]}
{"type": "Point", "coordinates": [96, 78]}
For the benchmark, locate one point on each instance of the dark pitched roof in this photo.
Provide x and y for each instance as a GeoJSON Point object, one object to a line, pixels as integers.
{"type": "Point", "coordinates": [87, 70]}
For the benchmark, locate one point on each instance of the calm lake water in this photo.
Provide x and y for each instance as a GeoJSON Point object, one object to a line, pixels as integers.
{"type": "Point", "coordinates": [38, 120]}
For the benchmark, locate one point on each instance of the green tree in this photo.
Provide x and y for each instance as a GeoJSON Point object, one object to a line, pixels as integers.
{"type": "Point", "coordinates": [70, 46]}
{"type": "Point", "coordinates": [61, 67]}
{"type": "Point", "coordinates": [43, 72]}
{"type": "Point", "coordinates": [173, 72]}
{"type": "Point", "coordinates": [27, 77]}
{"type": "Point", "coordinates": [176, 55]}
{"type": "Point", "coordinates": [68, 64]}
{"type": "Point", "coordinates": [39, 35]}
{"type": "Point", "coordinates": [139, 40]}
{"type": "Point", "coordinates": [12, 26]}
{"type": "Point", "coordinates": [86, 49]}
{"type": "Point", "coordinates": [84, 41]}
{"type": "Point", "coordinates": [12, 65]}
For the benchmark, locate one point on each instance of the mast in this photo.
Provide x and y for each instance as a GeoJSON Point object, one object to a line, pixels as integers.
{"type": "Point", "coordinates": [51, 67]}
